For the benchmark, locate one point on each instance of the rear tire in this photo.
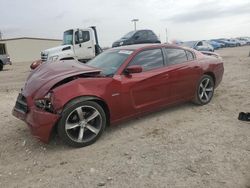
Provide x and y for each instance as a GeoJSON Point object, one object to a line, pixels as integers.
{"type": "Point", "coordinates": [205, 90]}
{"type": "Point", "coordinates": [82, 123]}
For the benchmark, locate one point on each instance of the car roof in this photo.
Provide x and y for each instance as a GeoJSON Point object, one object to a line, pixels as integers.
{"type": "Point", "coordinates": [138, 47]}
{"type": "Point", "coordinates": [143, 46]}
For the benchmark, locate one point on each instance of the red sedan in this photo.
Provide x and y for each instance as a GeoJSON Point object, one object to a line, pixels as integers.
{"type": "Point", "coordinates": [80, 100]}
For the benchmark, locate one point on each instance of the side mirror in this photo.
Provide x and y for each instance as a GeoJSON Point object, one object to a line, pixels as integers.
{"type": "Point", "coordinates": [133, 69]}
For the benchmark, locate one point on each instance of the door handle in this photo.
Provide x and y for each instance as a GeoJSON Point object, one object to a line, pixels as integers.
{"type": "Point", "coordinates": [89, 47]}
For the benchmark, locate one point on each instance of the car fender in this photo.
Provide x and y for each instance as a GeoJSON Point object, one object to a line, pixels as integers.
{"type": "Point", "coordinates": [63, 94]}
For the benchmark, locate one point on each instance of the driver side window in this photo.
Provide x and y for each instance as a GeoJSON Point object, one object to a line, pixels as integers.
{"type": "Point", "coordinates": [199, 43]}
{"type": "Point", "coordinates": [81, 36]}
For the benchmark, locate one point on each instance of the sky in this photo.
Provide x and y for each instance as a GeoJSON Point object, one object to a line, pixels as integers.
{"type": "Point", "coordinates": [182, 19]}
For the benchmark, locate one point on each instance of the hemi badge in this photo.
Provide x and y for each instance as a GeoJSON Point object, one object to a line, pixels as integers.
{"type": "Point", "coordinates": [115, 94]}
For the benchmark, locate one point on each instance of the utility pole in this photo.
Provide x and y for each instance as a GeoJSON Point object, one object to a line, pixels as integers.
{"type": "Point", "coordinates": [135, 20]}
{"type": "Point", "coordinates": [1, 35]}
{"type": "Point", "coordinates": [166, 35]}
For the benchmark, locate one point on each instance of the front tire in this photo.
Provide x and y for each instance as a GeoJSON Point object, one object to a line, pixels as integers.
{"type": "Point", "coordinates": [82, 123]}
{"type": "Point", "coordinates": [205, 90]}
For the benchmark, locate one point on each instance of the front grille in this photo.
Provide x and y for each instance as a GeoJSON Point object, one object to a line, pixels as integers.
{"type": "Point", "coordinates": [44, 56]}
{"type": "Point", "coordinates": [21, 104]}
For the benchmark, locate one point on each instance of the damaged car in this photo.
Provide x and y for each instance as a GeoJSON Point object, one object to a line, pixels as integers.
{"type": "Point", "coordinates": [79, 100]}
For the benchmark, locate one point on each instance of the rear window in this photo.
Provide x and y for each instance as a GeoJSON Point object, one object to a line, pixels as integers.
{"type": "Point", "coordinates": [175, 56]}
{"type": "Point", "coordinates": [149, 59]}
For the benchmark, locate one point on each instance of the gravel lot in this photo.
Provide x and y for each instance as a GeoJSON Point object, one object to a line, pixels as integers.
{"type": "Point", "coordinates": [182, 146]}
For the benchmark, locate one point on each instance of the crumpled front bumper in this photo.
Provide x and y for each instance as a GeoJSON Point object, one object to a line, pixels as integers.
{"type": "Point", "coordinates": [40, 122]}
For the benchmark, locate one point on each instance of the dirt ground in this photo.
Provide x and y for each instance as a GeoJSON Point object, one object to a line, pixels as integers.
{"type": "Point", "coordinates": [182, 146]}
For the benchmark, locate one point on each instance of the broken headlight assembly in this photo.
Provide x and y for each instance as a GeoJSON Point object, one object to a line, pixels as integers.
{"type": "Point", "coordinates": [45, 103]}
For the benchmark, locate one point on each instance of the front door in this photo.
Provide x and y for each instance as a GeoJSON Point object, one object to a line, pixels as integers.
{"type": "Point", "coordinates": [84, 44]}
{"type": "Point", "coordinates": [146, 90]}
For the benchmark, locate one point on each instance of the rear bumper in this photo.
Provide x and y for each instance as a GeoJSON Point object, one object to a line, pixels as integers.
{"type": "Point", "coordinates": [40, 123]}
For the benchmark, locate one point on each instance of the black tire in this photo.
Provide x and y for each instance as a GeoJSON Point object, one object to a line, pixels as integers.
{"type": "Point", "coordinates": [1, 66]}
{"type": "Point", "coordinates": [204, 91]}
{"type": "Point", "coordinates": [70, 120]}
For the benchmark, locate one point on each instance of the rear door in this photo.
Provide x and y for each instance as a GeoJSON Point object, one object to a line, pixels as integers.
{"type": "Point", "coordinates": [84, 44]}
{"type": "Point", "coordinates": [184, 72]}
{"type": "Point", "coordinates": [146, 90]}
{"type": "Point", "coordinates": [152, 38]}
{"type": "Point", "coordinates": [141, 37]}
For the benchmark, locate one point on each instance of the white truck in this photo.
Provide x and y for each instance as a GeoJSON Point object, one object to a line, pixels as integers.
{"type": "Point", "coordinates": [79, 44]}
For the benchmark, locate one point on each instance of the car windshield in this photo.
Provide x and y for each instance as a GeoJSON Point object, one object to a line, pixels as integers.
{"type": "Point", "coordinates": [68, 37]}
{"type": "Point", "coordinates": [189, 44]}
{"type": "Point", "coordinates": [128, 35]}
{"type": "Point", "coordinates": [110, 61]}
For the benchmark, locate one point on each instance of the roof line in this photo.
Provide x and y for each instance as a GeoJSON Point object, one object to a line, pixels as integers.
{"type": "Point", "coordinates": [34, 38]}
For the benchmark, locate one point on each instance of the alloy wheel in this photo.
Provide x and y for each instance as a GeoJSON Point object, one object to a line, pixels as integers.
{"type": "Point", "coordinates": [83, 124]}
{"type": "Point", "coordinates": [206, 90]}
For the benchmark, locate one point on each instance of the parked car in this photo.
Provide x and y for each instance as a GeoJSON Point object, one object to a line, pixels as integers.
{"type": "Point", "coordinates": [4, 60]}
{"type": "Point", "coordinates": [238, 42]}
{"type": "Point", "coordinates": [80, 100]}
{"type": "Point", "coordinates": [226, 42]}
{"type": "Point", "coordinates": [245, 39]}
{"type": "Point", "coordinates": [198, 45]}
{"type": "Point", "coordinates": [215, 45]}
{"type": "Point", "coordinates": [221, 44]}
{"type": "Point", "coordinates": [137, 37]}
{"type": "Point", "coordinates": [4, 57]}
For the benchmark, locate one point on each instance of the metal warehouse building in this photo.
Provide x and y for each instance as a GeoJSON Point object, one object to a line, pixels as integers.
{"type": "Point", "coordinates": [26, 48]}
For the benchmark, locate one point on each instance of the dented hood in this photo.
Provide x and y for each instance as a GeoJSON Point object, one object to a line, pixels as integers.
{"type": "Point", "coordinates": [44, 77]}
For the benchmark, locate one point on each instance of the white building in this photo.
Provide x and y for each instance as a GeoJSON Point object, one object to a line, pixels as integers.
{"type": "Point", "coordinates": [27, 49]}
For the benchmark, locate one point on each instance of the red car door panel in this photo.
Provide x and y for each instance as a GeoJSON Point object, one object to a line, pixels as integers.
{"type": "Point", "coordinates": [184, 78]}
{"type": "Point", "coordinates": [184, 73]}
{"type": "Point", "coordinates": [146, 90]}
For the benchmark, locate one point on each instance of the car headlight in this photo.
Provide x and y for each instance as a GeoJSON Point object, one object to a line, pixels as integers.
{"type": "Point", "coordinates": [121, 43]}
{"type": "Point", "coordinates": [45, 103]}
{"type": "Point", "coordinates": [54, 58]}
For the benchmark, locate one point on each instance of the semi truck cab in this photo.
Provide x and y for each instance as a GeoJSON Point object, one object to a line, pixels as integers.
{"type": "Point", "coordinates": [79, 44]}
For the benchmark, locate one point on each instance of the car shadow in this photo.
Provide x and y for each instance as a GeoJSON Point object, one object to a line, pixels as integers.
{"type": "Point", "coordinates": [56, 144]}
{"type": "Point", "coordinates": [147, 116]}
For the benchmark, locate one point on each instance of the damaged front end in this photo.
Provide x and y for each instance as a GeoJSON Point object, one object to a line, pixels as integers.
{"type": "Point", "coordinates": [36, 104]}
{"type": "Point", "coordinates": [45, 103]}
